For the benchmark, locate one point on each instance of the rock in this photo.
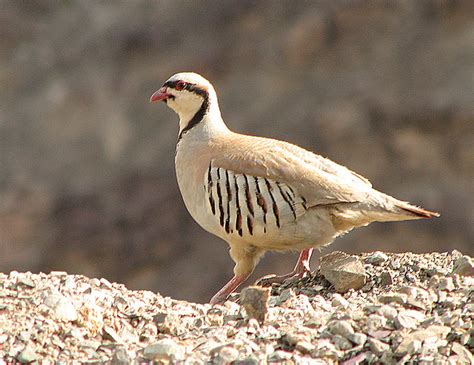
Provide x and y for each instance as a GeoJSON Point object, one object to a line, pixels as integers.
{"type": "Point", "coordinates": [341, 343]}
{"type": "Point", "coordinates": [342, 328]}
{"type": "Point", "coordinates": [304, 347]}
{"type": "Point", "coordinates": [378, 347]}
{"type": "Point", "coordinates": [464, 266]}
{"type": "Point", "coordinates": [164, 350]}
{"type": "Point", "coordinates": [446, 283]}
{"type": "Point", "coordinates": [120, 356]}
{"type": "Point", "coordinates": [358, 338]}
{"type": "Point", "coordinates": [251, 360]}
{"type": "Point", "coordinates": [339, 301]}
{"type": "Point", "coordinates": [343, 271]}
{"type": "Point", "coordinates": [255, 301]}
{"type": "Point", "coordinates": [224, 355]}
{"type": "Point", "coordinates": [27, 355]}
{"type": "Point", "coordinates": [385, 279]}
{"type": "Point", "coordinates": [414, 347]}
{"type": "Point", "coordinates": [409, 319]}
{"type": "Point", "coordinates": [434, 331]}
{"type": "Point", "coordinates": [465, 356]}
{"type": "Point", "coordinates": [399, 298]}
{"type": "Point", "coordinates": [375, 322]}
{"type": "Point", "coordinates": [280, 356]}
{"type": "Point", "coordinates": [387, 311]}
{"type": "Point", "coordinates": [63, 308]}
{"type": "Point", "coordinates": [376, 258]}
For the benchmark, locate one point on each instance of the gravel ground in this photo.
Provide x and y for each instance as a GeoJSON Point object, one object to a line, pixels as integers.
{"type": "Point", "coordinates": [402, 308]}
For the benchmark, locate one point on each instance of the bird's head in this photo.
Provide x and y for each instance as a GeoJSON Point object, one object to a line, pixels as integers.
{"type": "Point", "coordinates": [186, 93]}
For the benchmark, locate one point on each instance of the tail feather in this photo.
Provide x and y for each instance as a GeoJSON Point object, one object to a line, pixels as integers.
{"type": "Point", "coordinates": [417, 211]}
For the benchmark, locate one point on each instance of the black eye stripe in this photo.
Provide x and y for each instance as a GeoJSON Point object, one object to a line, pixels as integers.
{"type": "Point", "coordinates": [188, 86]}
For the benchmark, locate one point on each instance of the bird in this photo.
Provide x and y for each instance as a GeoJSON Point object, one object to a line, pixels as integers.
{"type": "Point", "coordinates": [260, 194]}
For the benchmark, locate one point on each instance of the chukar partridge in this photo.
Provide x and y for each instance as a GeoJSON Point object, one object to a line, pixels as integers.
{"type": "Point", "coordinates": [261, 194]}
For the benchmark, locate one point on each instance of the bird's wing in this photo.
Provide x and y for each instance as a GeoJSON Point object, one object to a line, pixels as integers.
{"type": "Point", "coordinates": [317, 180]}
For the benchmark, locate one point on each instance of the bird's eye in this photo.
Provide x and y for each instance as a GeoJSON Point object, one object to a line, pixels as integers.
{"type": "Point", "coordinates": [180, 85]}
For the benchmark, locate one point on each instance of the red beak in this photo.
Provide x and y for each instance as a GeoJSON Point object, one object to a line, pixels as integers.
{"type": "Point", "coordinates": [160, 95]}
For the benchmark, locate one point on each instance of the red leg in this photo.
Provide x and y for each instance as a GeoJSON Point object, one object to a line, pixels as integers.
{"type": "Point", "coordinates": [228, 288]}
{"type": "Point", "coordinates": [301, 270]}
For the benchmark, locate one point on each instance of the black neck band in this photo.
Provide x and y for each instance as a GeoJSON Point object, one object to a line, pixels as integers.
{"type": "Point", "coordinates": [197, 117]}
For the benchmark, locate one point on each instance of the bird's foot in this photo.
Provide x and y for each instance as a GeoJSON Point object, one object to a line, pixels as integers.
{"type": "Point", "coordinates": [280, 279]}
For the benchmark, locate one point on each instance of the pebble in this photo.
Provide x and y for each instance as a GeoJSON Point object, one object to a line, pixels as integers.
{"type": "Point", "coordinates": [224, 355]}
{"type": "Point", "coordinates": [120, 356]}
{"type": "Point", "coordinates": [399, 298]}
{"type": "Point", "coordinates": [385, 279]}
{"type": "Point", "coordinates": [342, 328]}
{"type": "Point", "coordinates": [304, 347]}
{"type": "Point", "coordinates": [446, 284]}
{"type": "Point", "coordinates": [378, 347]}
{"type": "Point", "coordinates": [387, 311]}
{"type": "Point", "coordinates": [341, 343]}
{"type": "Point", "coordinates": [343, 271]}
{"type": "Point", "coordinates": [164, 350]}
{"type": "Point", "coordinates": [409, 319]}
{"type": "Point", "coordinates": [426, 321]}
{"type": "Point", "coordinates": [27, 355]}
{"type": "Point", "coordinates": [376, 258]}
{"type": "Point", "coordinates": [339, 301]}
{"type": "Point", "coordinates": [435, 332]}
{"type": "Point", "coordinates": [464, 354]}
{"type": "Point", "coordinates": [464, 266]}
{"type": "Point", "coordinates": [255, 301]}
{"type": "Point", "coordinates": [279, 356]}
{"type": "Point", "coordinates": [62, 307]}
{"type": "Point", "coordinates": [358, 338]}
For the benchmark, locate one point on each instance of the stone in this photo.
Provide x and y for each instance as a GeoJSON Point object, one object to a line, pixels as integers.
{"type": "Point", "coordinates": [446, 283]}
{"type": "Point", "coordinates": [280, 356]}
{"type": "Point", "coordinates": [164, 350]}
{"type": "Point", "coordinates": [375, 322]}
{"type": "Point", "coordinates": [387, 311]}
{"type": "Point", "coordinates": [224, 355]}
{"type": "Point", "coordinates": [358, 338]}
{"type": "Point", "coordinates": [304, 347]}
{"type": "Point", "coordinates": [342, 328]}
{"type": "Point", "coordinates": [378, 347]}
{"type": "Point", "coordinates": [27, 355]}
{"type": "Point", "coordinates": [341, 343]}
{"type": "Point", "coordinates": [112, 334]}
{"type": "Point", "coordinates": [255, 301]}
{"type": "Point", "coordinates": [465, 356]}
{"type": "Point", "coordinates": [434, 331]}
{"type": "Point", "coordinates": [343, 271]}
{"type": "Point", "coordinates": [63, 308]}
{"type": "Point", "coordinates": [464, 266]}
{"type": "Point", "coordinates": [339, 301]}
{"type": "Point", "coordinates": [251, 360]}
{"type": "Point", "coordinates": [414, 347]}
{"type": "Point", "coordinates": [376, 258]}
{"type": "Point", "coordinates": [398, 298]}
{"type": "Point", "coordinates": [386, 278]}
{"type": "Point", "coordinates": [120, 356]}
{"type": "Point", "coordinates": [409, 319]}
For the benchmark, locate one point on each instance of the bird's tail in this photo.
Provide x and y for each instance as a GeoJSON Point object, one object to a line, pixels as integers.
{"type": "Point", "coordinates": [391, 209]}
{"type": "Point", "coordinates": [379, 207]}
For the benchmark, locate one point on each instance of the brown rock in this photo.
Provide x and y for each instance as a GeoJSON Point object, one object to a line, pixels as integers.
{"type": "Point", "coordinates": [343, 271]}
{"type": "Point", "coordinates": [255, 301]}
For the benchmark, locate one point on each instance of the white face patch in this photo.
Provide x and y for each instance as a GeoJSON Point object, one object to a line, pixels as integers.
{"type": "Point", "coordinates": [185, 104]}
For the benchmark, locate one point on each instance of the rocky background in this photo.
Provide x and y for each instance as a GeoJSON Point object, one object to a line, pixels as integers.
{"type": "Point", "coordinates": [87, 182]}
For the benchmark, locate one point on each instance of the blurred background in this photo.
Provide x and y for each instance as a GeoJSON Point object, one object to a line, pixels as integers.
{"type": "Point", "coordinates": [87, 180]}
